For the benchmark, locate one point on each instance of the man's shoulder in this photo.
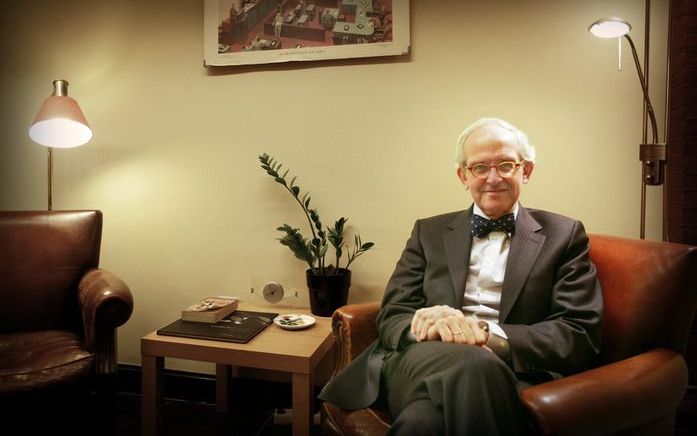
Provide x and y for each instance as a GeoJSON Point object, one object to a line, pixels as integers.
{"type": "Point", "coordinates": [444, 219]}
{"type": "Point", "coordinates": [549, 219]}
{"type": "Point", "coordinates": [548, 215]}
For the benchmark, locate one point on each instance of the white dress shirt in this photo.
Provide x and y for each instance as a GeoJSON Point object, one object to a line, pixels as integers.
{"type": "Point", "coordinates": [485, 277]}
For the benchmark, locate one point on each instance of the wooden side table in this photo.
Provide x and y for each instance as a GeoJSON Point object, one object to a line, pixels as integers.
{"type": "Point", "coordinates": [297, 352]}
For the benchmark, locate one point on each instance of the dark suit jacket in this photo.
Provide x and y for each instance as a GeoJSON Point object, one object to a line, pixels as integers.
{"type": "Point", "coordinates": [551, 301]}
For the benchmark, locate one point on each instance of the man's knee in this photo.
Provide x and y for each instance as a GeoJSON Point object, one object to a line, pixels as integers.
{"type": "Point", "coordinates": [482, 361]}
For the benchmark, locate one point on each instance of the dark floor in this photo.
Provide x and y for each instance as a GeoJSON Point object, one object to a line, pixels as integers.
{"type": "Point", "coordinates": [201, 419]}
{"type": "Point", "coordinates": [256, 407]}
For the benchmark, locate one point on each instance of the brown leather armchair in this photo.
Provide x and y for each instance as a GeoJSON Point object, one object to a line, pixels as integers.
{"type": "Point", "coordinates": [58, 311]}
{"type": "Point", "coordinates": [650, 293]}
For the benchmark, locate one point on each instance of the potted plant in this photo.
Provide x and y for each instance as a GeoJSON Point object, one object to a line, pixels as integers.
{"type": "Point", "coordinates": [328, 283]}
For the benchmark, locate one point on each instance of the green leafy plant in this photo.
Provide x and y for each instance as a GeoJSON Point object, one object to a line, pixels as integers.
{"type": "Point", "coordinates": [313, 251]}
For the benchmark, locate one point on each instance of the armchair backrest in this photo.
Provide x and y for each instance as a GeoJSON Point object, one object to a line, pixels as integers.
{"type": "Point", "coordinates": [650, 294]}
{"type": "Point", "coordinates": [43, 255]}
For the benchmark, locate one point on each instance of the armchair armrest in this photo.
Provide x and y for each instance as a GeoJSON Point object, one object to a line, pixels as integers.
{"type": "Point", "coordinates": [106, 303]}
{"type": "Point", "coordinates": [634, 392]}
{"type": "Point", "coordinates": [354, 329]}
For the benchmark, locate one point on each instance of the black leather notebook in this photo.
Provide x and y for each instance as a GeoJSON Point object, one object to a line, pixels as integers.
{"type": "Point", "coordinates": [240, 326]}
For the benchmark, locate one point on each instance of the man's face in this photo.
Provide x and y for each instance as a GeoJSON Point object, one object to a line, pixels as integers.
{"type": "Point", "coordinates": [491, 145]}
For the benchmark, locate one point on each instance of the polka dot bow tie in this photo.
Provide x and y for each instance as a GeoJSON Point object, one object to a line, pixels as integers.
{"type": "Point", "coordinates": [481, 226]}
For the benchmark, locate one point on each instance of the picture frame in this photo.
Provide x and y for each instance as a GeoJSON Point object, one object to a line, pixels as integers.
{"type": "Point", "coordinates": [245, 32]}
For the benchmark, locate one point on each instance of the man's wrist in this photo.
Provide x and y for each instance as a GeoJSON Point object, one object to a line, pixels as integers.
{"type": "Point", "coordinates": [500, 346]}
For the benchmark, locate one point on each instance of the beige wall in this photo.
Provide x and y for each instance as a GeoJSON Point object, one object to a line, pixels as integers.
{"type": "Point", "coordinates": [173, 165]}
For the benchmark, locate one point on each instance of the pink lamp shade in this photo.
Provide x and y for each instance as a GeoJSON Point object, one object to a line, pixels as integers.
{"type": "Point", "coordinates": [60, 122]}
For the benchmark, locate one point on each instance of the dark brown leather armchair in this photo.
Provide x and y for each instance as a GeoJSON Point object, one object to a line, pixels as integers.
{"type": "Point", "coordinates": [58, 311]}
{"type": "Point", "coordinates": [650, 293]}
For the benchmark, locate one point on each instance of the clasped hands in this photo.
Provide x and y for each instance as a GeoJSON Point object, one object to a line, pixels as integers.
{"type": "Point", "coordinates": [448, 324]}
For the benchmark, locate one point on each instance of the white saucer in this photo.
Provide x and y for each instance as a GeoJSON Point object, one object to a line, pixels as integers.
{"type": "Point", "coordinates": [293, 321]}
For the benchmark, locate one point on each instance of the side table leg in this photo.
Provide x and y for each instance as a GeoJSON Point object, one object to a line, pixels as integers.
{"type": "Point", "coordinates": [151, 385]}
{"type": "Point", "coordinates": [302, 404]}
{"type": "Point", "coordinates": [222, 387]}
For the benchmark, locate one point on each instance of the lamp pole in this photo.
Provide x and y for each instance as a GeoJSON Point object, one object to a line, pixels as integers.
{"type": "Point", "coordinates": [653, 154]}
{"type": "Point", "coordinates": [50, 178]}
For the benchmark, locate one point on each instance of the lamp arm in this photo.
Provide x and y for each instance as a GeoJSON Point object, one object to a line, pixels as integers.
{"type": "Point", "coordinates": [644, 88]}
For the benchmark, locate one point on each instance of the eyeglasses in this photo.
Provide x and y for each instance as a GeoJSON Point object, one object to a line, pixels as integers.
{"type": "Point", "coordinates": [503, 169]}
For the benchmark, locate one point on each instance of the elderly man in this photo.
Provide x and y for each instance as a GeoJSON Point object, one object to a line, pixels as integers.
{"type": "Point", "coordinates": [482, 302]}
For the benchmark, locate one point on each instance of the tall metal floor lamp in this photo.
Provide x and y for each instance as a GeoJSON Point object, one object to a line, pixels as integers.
{"type": "Point", "coordinates": [61, 124]}
{"type": "Point", "coordinates": [652, 154]}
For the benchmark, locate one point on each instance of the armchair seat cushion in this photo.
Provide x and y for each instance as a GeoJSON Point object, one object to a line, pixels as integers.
{"type": "Point", "coordinates": [30, 361]}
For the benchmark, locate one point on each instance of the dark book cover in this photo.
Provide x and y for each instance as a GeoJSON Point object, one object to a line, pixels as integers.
{"type": "Point", "coordinates": [240, 326]}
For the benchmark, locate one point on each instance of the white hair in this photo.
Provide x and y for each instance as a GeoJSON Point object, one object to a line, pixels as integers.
{"type": "Point", "coordinates": [526, 150]}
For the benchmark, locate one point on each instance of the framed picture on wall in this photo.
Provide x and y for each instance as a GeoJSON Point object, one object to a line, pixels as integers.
{"type": "Point", "coordinates": [242, 32]}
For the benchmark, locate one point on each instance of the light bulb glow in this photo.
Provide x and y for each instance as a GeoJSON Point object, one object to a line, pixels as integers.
{"type": "Point", "coordinates": [60, 133]}
{"type": "Point", "coordinates": [610, 28]}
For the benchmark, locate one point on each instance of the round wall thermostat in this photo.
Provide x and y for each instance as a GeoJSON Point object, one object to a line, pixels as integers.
{"type": "Point", "coordinates": [273, 292]}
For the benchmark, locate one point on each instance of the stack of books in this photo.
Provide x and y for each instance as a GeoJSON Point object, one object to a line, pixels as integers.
{"type": "Point", "coordinates": [210, 309]}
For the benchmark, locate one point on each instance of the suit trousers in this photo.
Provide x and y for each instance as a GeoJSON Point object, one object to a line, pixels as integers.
{"type": "Point", "coordinates": [466, 389]}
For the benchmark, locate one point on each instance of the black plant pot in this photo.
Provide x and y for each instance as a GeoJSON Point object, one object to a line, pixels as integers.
{"type": "Point", "coordinates": [328, 293]}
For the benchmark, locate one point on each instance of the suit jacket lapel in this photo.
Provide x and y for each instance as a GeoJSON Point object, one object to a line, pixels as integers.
{"type": "Point", "coordinates": [525, 248]}
{"type": "Point", "coordinates": [458, 243]}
